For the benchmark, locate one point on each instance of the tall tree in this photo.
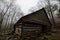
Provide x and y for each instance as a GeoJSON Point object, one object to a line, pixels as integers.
{"type": "Point", "coordinates": [8, 12]}
{"type": "Point", "coordinates": [51, 9]}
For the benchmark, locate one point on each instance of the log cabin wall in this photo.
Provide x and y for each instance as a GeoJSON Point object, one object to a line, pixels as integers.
{"type": "Point", "coordinates": [34, 22]}
{"type": "Point", "coordinates": [18, 29]}
{"type": "Point", "coordinates": [28, 29]}
{"type": "Point", "coordinates": [31, 29]}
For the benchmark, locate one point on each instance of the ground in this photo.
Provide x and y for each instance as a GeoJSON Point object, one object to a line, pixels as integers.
{"type": "Point", "coordinates": [55, 35]}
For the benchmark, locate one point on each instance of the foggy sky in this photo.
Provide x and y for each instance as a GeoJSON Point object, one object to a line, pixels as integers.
{"type": "Point", "coordinates": [25, 5]}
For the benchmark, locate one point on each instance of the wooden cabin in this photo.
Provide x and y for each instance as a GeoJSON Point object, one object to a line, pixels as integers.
{"type": "Point", "coordinates": [33, 24]}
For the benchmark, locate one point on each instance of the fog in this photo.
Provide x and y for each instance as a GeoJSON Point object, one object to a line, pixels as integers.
{"type": "Point", "coordinates": [25, 5]}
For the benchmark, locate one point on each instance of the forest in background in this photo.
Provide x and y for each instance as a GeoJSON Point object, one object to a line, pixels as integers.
{"type": "Point", "coordinates": [11, 13]}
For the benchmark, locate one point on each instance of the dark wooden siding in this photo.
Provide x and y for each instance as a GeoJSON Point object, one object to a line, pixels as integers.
{"type": "Point", "coordinates": [31, 29]}
{"type": "Point", "coordinates": [39, 17]}
{"type": "Point", "coordinates": [32, 23]}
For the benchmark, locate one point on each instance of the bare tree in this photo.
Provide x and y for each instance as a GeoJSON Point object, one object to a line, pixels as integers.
{"type": "Point", "coordinates": [58, 13]}
{"type": "Point", "coordinates": [9, 16]}
{"type": "Point", "coordinates": [9, 12]}
{"type": "Point", "coordinates": [50, 10]}
{"type": "Point", "coordinates": [4, 13]}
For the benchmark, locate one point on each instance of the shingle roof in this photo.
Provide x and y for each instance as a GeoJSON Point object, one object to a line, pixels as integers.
{"type": "Point", "coordinates": [39, 17]}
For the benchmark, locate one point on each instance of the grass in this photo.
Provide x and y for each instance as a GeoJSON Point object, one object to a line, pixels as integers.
{"type": "Point", "coordinates": [34, 37]}
{"type": "Point", "coordinates": [41, 37]}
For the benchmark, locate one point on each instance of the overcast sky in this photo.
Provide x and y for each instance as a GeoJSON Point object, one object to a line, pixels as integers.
{"type": "Point", "coordinates": [25, 5]}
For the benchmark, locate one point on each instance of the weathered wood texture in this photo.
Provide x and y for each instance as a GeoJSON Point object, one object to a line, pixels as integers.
{"type": "Point", "coordinates": [33, 22]}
